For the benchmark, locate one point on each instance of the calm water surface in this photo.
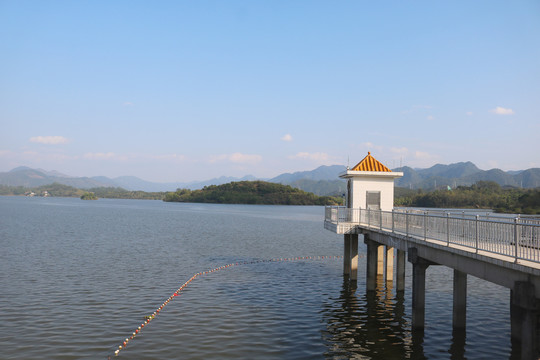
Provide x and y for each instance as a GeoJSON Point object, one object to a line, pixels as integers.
{"type": "Point", "coordinates": [77, 277]}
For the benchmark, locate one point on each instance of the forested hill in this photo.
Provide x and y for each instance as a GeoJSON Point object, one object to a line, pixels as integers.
{"type": "Point", "coordinates": [250, 192]}
{"type": "Point", "coordinates": [483, 194]}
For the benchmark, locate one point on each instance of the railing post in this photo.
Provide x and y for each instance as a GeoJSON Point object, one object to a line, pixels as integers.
{"type": "Point", "coordinates": [447, 229]}
{"type": "Point", "coordinates": [380, 220]}
{"type": "Point", "coordinates": [368, 218]}
{"type": "Point", "coordinates": [407, 222]}
{"type": "Point", "coordinates": [425, 226]}
{"type": "Point", "coordinates": [463, 225]}
{"type": "Point", "coordinates": [392, 221]}
{"type": "Point", "coordinates": [516, 238]}
{"type": "Point", "coordinates": [476, 230]}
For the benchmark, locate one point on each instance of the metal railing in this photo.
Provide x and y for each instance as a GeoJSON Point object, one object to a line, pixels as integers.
{"type": "Point", "coordinates": [517, 237]}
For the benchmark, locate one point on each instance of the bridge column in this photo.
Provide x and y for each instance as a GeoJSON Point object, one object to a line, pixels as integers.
{"type": "Point", "coordinates": [419, 289]}
{"type": "Point", "coordinates": [347, 255]}
{"type": "Point", "coordinates": [525, 322]}
{"type": "Point", "coordinates": [354, 257]}
{"type": "Point", "coordinates": [389, 263]}
{"type": "Point", "coordinates": [371, 264]}
{"type": "Point", "coordinates": [400, 270]}
{"type": "Point", "coordinates": [459, 315]}
{"type": "Point", "coordinates": [380, 259]}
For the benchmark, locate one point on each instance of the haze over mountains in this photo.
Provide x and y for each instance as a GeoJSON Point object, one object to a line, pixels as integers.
{"type": "Point", "coordinates": [321, 181]}
{"type": "Point", "coordinates": [28, 177]}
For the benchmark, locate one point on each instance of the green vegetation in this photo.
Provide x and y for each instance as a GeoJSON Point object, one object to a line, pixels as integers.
{"type": "Point", "coordinates": [89, 196]}
{"type": "Point", "coordinates": [55, 189]}
{"type": "Point", "coordinates": [119, 193]}
{"type": "Point", "coordinates": [12, 190]}
{"type": "Point", "coordinates": [483, 194]}
{"type": "Point", "coordinates": [60, 190]}
{"type": "Point", "coordinates": [251, 192]}
{"type": "Point", "coordinates": [244, 192]}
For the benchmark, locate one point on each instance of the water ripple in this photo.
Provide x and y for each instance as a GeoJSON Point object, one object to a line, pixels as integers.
{"type": "Point", "coordinates": [78, 277]}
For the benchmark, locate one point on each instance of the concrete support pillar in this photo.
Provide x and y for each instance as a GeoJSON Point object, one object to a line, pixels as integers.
{"type": "Point", "coordinates": [419, 295]}
{"type": "Point", "coordinates": [515, 318]}
{"type": "Point", "coordinates": [525, 322]}
{"type": "Point", "coordinates": [371, 264]}
{"type": "Point", "coordinates": [389, 263]}
{"type": "Point", "coordinates": [400, 271]}
{"type": "Point", "coordinates": [459, 315]}
{"type": "Point", "coordinates": [347, 255]}
{"type": "Point", "coordinates": [419, 289]}
{"type": "Point", "coordinates": [380, 259]}
{"type": "Point", "coordinates": [354, 257]}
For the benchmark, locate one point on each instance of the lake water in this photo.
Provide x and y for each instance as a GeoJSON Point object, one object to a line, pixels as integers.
{"type": "Point", "coordinates": [77, 278]}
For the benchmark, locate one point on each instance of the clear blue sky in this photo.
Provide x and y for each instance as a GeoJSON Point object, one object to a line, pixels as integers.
{"type": "Point", "coordinates": [190, 90]}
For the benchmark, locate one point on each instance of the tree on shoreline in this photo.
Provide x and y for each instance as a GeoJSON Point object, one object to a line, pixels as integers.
{"type": "Point", "coordinates": [89, 196]}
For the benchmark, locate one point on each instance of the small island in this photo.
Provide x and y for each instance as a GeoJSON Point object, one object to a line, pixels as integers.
{"type": "Point", "coordinates": [251, 192]}
{"type": "Point", "coordinates": [89, 196]}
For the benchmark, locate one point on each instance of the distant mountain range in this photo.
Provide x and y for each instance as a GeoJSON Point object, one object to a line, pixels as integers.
{"type": "Point", "coordinates": [28, 177]}
{"type": "Point", "coordinates": [465, 174]}
{"type": "Point", "coordinates": [321, 181]}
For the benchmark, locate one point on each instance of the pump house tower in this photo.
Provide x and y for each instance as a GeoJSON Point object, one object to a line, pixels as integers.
{"type": "Point", "coordinates": [370, 185]}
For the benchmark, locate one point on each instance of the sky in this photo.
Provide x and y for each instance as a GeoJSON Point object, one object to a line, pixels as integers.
{"type": "Point", "coordinates": [192, 90]}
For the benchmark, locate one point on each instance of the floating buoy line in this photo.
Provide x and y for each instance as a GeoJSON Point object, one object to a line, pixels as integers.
{"type": "Point", "coordinates": [149, 318]}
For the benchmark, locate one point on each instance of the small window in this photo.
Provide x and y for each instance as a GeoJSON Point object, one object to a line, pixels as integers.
{"type": "Point", "coordinates": [373, 200]}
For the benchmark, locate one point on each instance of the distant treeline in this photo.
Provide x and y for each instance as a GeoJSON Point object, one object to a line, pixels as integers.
{"type": "Point", "coordinates": [55, 189]}
{"type": "Point", "coordinates": [120, 193]}
{"type": "Point", "coordinates": [483, 194]}
{"type": "Point", "coordinates": [60, 190]}
{"type": "Point", "coordinates": [251, 192]}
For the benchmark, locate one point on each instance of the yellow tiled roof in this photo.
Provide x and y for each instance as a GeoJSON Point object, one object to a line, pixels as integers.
{"type": "Point", "coordinates": [369, 163]}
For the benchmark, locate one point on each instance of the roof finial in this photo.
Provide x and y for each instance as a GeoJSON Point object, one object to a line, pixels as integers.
{"type": "Point", "coordinates": [368, 153]}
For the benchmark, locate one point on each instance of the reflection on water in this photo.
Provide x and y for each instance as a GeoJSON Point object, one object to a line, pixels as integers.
{"type": "Point", "coordinates": [376, 325]}
{"type": "Point", "coordinates": [369, 324]}
{"type": "Point", "coordinates": [457, 349]}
